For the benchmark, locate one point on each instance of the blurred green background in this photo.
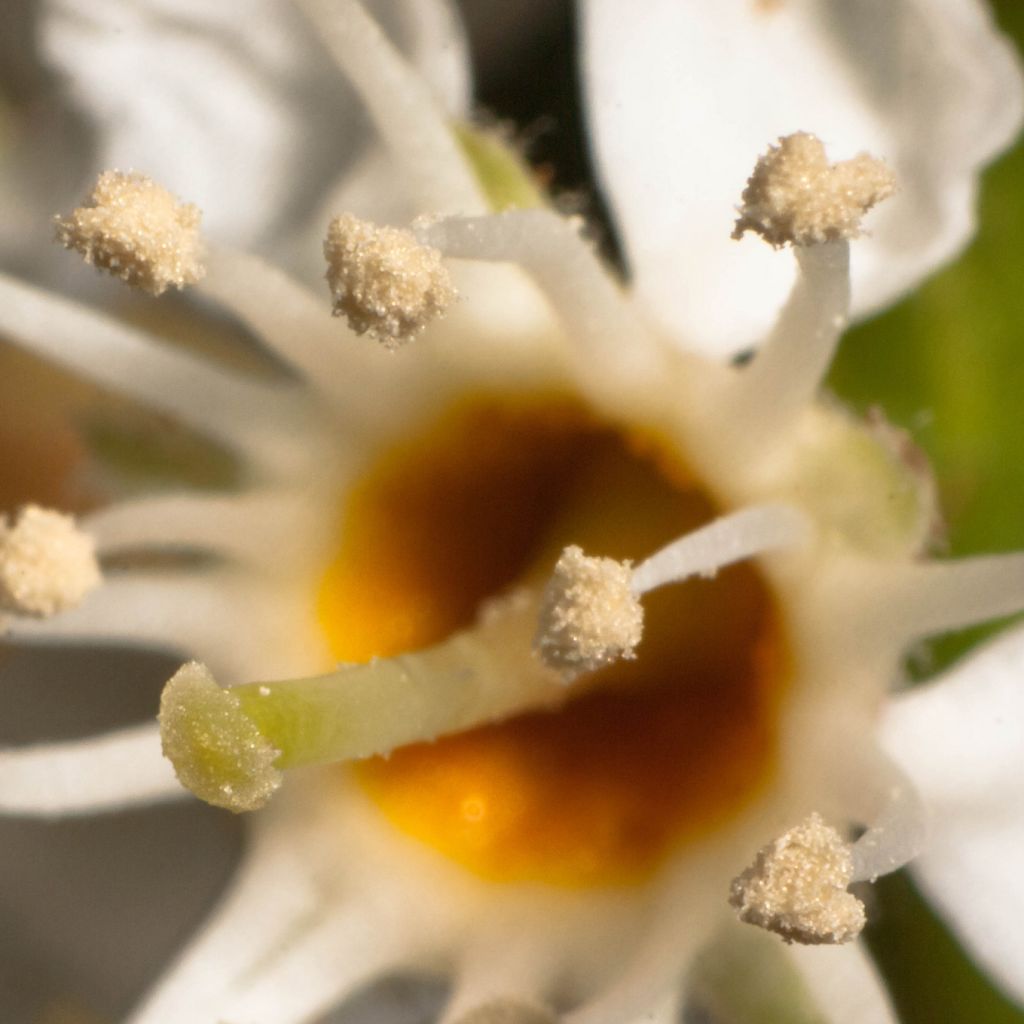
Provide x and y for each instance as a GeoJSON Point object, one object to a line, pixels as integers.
{"type": "Point", "coordinates": [947, 364]}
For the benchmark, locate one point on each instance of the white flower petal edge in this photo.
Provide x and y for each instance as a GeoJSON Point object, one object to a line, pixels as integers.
{"type": "Point", "coordinates": [961, 741]}
{"type": "Point", "coordinates": [794, 983]}
{"type": "Point", "coordinates": [844, 984]}
{"type": "Point", "coordinates": [679, 93]}
{"type": "Point", "coordinates": [235, 104]}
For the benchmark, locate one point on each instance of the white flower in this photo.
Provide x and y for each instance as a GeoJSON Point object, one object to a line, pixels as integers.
{"type": "Point", "coordinates": [568, 842]}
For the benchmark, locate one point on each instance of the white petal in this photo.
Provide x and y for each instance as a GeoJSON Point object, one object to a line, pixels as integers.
{"type": "Point", "coordinates": [235, 106]}
{"type": "Point", "coordinates": [844, 984]}
{"type": "Point", "coordinates": [961, 740]}
{"type": "Point", "coordinates": [684, 96]}
{"type": "Point", "coordinates": [431, 35]}
{"type": "Point", "coordinates": [271, 895]}
{"type": "Point", "coordinates": [797, 984]}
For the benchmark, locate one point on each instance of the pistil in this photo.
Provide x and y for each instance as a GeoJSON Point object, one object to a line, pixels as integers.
{"type": "Point", "coordinates": [230, 746]}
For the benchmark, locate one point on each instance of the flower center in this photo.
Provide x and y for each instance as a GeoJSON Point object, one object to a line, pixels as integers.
{"type": "Point", "coordinates": [655, 752]}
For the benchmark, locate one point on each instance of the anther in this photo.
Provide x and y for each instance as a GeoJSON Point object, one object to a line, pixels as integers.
{"type": "Point", "coordinates": [797, 887]}
{"type": "Point", "coordinates": [796, 196]}
{"type": "Point", "coordinates": [589, 615]}
{"type": "Point", "coordinates": [384, 281]}
{"type": "Point", "coordinates": [138, 231]}
{"type": "Point", "coordinates": [47, 564]}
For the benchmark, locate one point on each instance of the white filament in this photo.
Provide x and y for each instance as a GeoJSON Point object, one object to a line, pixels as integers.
{"type": "Point", "coordinates": [323, 965]}
{"type": "Point", "coordinates": [252, 527]}
{"type": "Point", "coordinates": [137, 365]}
{"type": "Point", "coordinates": [934, 597]}
{"type": "Point", "coordinates": [271, 896]}
{"type": "Point", "coordinates": [297, 327]}
{"type": "Point", "coordinates": [595, 311]}
{"type": "Point", "coordinates": [102, 773]}
{"type": "Point", "coordinates": [405, 114]}
{"type": "Point", "coordinates": [731, 538]}
{"type": "Point", "coordinates": [897, 834]}
{"type": "Point", "coordinates": [203, 613]}
{"type": "Point", "coordinates": [790, 366]}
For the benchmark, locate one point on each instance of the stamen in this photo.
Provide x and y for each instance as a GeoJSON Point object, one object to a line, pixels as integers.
{"type": "Point", "coordinates": [403, 109]}
{"type": "Point", "coordinates": [875, 792]}
{"type": "Point", "coordinates": [138, 231]}
{"type": "Point", "coordinates": [302, 979]}
{"type": "Point", "coordinates": [596, 313]}
{"type": "Point", "coordinates": [290, 320]}
{"type": "Point", "coordinates": [102, 773]}
{"type": "Point", "coordinates": [788, 369]}
{"type": "Point", "coordinates": [200, 611]}
{"type": "Point", "coordinates": [139, 365]}
{"type": "Point", "coordinates": [258, 527]}
{"type": "Point", "coordinates": [46, 563]}
{"type": "Point", "coordinates": [897, 834]}
{"type": "Point", "coordinates": [229, 745]}
{"type": "Point", "coordinates": [795, 196]}
{"type": "Point", "coordinates": [501, 979]}
{"type": "Point", "coordinates": [732, 538]}
{"type": "Point", "coordinates": [589, 616]}
{"type": "Point", "coordinates": [935, 597]}
{"type": "Point", "coordinates": [797, 887]}
{"type": "Point", "coordinates": [271, 897]}
{"type": "Point", "coordinates": [384, 282]}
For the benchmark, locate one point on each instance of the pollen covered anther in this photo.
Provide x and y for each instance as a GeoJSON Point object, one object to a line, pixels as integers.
{"type": "Point", "coordinates": [47, 564]}
{"type": "Point", "coordinates": [138, 231]}
{"type": "Point", "coordinates": [589, 615]}
{"type": "Point", "coordinates": [384, 281]}
{"type": "Point", "coordinates": [795, 196]}
{"type": "Point", "coordinates": [797, 887]}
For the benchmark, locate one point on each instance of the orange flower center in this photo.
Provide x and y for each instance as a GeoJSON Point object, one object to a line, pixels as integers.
{"type": "Point", "coordinates": [655, 753]}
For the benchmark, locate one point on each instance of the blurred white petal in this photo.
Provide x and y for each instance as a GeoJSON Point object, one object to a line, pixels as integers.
{"type": "Point", "coordinates": [843, 983]}
{"type": "Point", "coordinates": [236, 106]}
{"type": "Point", "coordinates": [797, 984]}
{"type": "Point", "coordinates": [961, 741]}
{"type": "Point", "coordinates": [684, 96]}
